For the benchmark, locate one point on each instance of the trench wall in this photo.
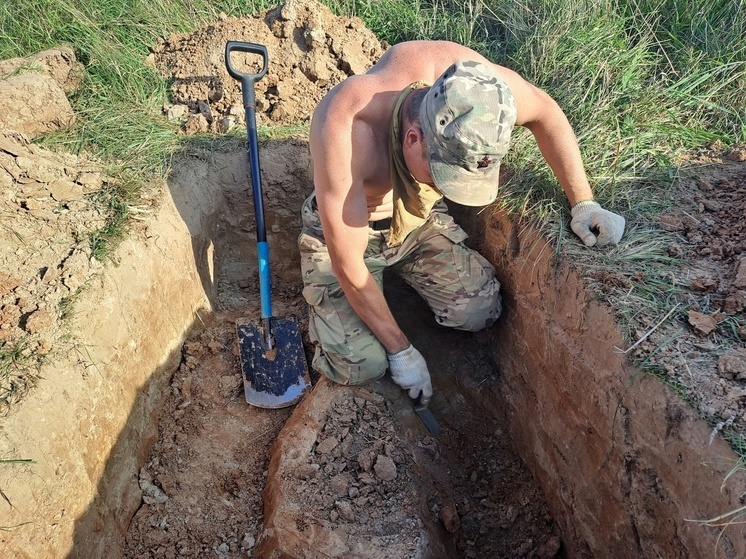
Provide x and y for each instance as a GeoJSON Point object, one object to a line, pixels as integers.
{"type": "Point", "coordinates": [91, 421]}
{"type": "Point", "coordinates": [623, 463]}
{"type": "Point", "coordinates": [622, 460]}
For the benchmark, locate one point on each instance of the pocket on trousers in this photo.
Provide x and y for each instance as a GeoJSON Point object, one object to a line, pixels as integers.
{"type": "Point", "coordinates": [473, 269]}
{"type": "Point", "coordinates": [325, 325]}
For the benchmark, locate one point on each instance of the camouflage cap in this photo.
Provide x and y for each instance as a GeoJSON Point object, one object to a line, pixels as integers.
{"type": "Point", "coordinates": [467, 117]}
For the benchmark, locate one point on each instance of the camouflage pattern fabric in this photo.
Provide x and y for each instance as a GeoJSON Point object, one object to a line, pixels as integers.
{"type": "Point", "coordinates": [467, 117]}
{"type": "Point", "coordinates": [457, 282]}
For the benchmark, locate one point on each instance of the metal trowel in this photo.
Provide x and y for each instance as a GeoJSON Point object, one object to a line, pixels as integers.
{"type": "Point", "coordinates": [426, 415]}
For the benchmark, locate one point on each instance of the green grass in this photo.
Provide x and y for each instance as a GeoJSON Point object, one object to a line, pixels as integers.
{"type": "Point", "coordinates": [18, 373]}
{"type": "Point", "coordinates": [119, 104]}
{"type": "Point", "coordinates": [640, 80]}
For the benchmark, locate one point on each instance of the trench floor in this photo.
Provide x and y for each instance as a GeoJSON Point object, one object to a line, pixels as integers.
{"type": "Point", "coordinates": [203, 480]}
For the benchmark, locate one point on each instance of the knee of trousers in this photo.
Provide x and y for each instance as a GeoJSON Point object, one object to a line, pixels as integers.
{"type": "Point", "coordinates": [477, 314]}
{"type": "Point", "coordinates": [354, 365]}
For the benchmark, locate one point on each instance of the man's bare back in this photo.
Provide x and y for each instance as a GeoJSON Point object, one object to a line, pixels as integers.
{"type": "Point", "coordinates": [365, 103]}
{"type": "Point", "coordinates": [352, 171]}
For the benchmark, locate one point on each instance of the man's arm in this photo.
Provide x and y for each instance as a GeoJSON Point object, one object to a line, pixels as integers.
{"type": "Point", "coordinates": [541, 114]}
{"type": "Point", "coordinates": [338, 180]}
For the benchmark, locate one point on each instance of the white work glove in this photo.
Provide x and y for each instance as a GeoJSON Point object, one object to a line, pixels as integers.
{"type": "Point", "coordinates": [595, 225]}
{"type": "Point", "coordinates": [409, 370]}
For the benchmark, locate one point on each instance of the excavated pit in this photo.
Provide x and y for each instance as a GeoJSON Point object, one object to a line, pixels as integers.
{"type": "Point", "coordinates": [550, 445]}
{"type": "Point", "coordinates": [142, 445]}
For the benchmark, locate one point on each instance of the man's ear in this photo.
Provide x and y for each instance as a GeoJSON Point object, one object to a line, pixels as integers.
{"type": "Point", "coordinates": [412, 136]}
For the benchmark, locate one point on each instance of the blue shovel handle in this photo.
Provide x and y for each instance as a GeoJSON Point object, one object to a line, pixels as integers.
{"type": "Point", "coordinates": [249, 102]}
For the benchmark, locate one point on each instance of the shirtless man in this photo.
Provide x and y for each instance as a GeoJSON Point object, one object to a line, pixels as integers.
{"type": "Point", "coordinates": [386, 149]}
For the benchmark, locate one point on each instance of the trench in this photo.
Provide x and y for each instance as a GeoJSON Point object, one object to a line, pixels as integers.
{"type": "Point", "coordinates": [551, 445]}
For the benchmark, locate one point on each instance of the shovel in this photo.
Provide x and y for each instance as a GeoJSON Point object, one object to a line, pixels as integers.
{"type": "Point", "coordinates": [273, 362]}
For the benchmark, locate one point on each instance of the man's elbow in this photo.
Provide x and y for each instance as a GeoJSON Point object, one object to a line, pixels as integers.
{"type": "Point", "coordinates": [350, 276]}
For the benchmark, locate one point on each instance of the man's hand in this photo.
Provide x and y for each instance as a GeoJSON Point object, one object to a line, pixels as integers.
{"type": "Point", "coordinates": [409, 370]}
{"type": "Point", "coordinates": [595, 225]}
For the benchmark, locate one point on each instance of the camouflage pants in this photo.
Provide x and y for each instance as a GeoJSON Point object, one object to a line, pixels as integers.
{"type": "Point", "coordinates": [458, 283]}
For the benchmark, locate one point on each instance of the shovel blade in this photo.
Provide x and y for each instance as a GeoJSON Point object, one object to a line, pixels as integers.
{"type": "Point", "coordinates": [277, 377]}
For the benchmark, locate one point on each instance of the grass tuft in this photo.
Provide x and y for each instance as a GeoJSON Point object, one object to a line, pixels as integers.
{"type": "Point", "coordinates": [18, 373]}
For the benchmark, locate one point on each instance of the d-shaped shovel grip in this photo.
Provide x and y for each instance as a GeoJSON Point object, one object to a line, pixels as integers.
{"type": "Point", "coordinates": [247, 80]}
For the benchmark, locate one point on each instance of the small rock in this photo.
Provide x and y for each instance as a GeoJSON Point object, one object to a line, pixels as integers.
{"type": "Point", "coordinates": [366, 478]}
{"type": "Point", "coordinates": [366, 458]}
{"type": "Point", "coordinates": [90, 180]}
{"type": "Point", "coordinates": [248, 541]}
{"type": "Point", "coordinates": [63, 190]}
{"type": "Point", "coordinates": [703, 324]}
{"type": "Point", "coordinates": [339, 485]}
{"type": "Point", "coordinates": [704, 284]}
{"type": "Point", "coordinates": [450, 519]}
{"type": "Point", "coordinates": [167, 483]}
{"type": "Point", "coordinates": [151, 494]}
{"type": "Point", "coordinates": [196, 124]}
{"type": "Point", "coordinates": [732, 364]}
{"type": "Point", "coordinates": [205, 110]}
{"type": "Point", "coordinates": [385, 468]}
{"type": "Point", "coordinates": [345, 510]}
{"type": "Point", "coordinates": [740, 280]}
{"type": "Point", "coordinates": [735, 303]}
{"type": "Point", "coordinates": [327, 445]}
{"type": "Point", "coordinates": [39, 321]}
{"type": "Point", "coordinates": [8, 283]}
{"type": "Point", "coordinates": [223, 550]}
{"type": "Point", "coordinates": [176, 112]}
{"type": "Point", "coordinates": [306, 471]}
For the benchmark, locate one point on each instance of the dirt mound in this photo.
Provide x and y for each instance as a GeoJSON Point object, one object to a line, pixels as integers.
{"type": "Point", "coordinates": [32, 91]}
{"type": "Point", "coordinates": [309, 51]}
{"type": "Point", "coordinates": [48, 206]}
{"type": "Point", "coordinates": [709, 360]}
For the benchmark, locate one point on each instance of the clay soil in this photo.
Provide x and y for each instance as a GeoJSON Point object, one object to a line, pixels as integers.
{"type": "Point", "coordinates": [375, 482]}
{"type": "Point", "coordinates": [374, 474]}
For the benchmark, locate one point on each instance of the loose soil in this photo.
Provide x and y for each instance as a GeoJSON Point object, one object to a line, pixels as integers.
{"type": "Point", "coordinates": [372, 471]}
{"type": "Point", "coordinates": [700, 348]}
{"type": "Point", "coordinates": [370, 476]}
{"type": "Point", "coordinates": [309, 52]}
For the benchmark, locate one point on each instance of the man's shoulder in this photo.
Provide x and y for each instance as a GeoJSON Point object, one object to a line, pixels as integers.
{"type": "Point", "coordinates": [352, 94]}
{"type": "Point", "coordinates": [352, 103]}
